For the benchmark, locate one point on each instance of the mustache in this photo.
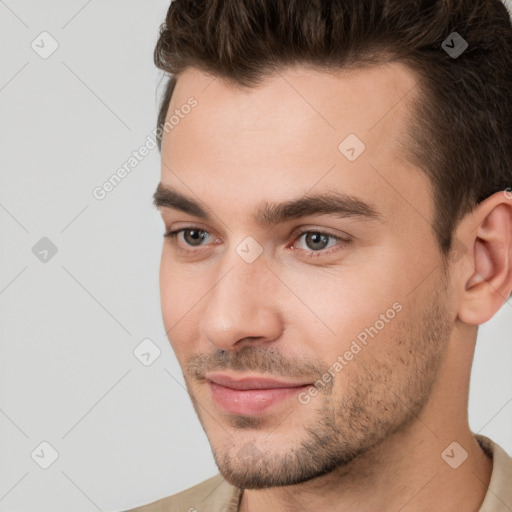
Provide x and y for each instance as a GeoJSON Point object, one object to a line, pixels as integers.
{"type": "Point", "coordinates": [254, 358]}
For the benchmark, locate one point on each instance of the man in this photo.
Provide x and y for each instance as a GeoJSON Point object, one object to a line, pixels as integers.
{"type": "Point", "coordinates": [336, 197]}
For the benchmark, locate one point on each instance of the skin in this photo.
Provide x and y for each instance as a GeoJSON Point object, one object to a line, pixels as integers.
{"type": "Point", "coordinates": [384, 420]}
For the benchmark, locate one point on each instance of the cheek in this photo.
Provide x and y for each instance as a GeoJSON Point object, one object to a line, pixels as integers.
{"type": "Point", "coordinates": [178, 295]}
{"type": "Point", "coordinates": [167, 289]}
{"type": "Point", "coordinates": [339, 303]}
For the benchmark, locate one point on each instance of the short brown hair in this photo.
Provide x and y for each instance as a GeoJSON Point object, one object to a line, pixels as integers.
{"type": "Point", "coordinates": [460, 132]}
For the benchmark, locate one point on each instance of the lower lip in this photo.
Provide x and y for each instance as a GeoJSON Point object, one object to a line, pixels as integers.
{"type": "Point", "coordinates": [251, 401]}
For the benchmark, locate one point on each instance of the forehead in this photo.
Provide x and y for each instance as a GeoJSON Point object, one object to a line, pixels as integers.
{"type": "Point", "coordinates": [286, 135]}
{"type": "Point", "coordinates": [365, 101]}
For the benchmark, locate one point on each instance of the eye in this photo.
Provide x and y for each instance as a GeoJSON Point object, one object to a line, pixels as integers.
{"type": "Point", "coordinates": [316, 243]}
{"type": "Point", "coordinates": [189, 237]}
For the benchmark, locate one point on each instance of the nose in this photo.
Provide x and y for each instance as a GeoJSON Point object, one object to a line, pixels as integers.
{"type": "Point", "coordinates": [242, 307]}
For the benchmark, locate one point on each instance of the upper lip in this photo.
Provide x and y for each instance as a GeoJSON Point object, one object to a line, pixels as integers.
{"type": "Point", "coordinates": [244, 383]}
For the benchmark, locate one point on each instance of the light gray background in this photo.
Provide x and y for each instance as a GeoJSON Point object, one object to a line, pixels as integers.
{"type": "Point", "coordinates": [125, 434]}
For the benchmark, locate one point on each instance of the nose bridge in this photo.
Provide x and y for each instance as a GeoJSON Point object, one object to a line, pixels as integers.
{"type": "Point", "coordinates": [240, 304]}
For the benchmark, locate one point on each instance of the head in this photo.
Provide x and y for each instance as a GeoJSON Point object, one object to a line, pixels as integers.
{"type": "Point", "coordinates": [337, 185]}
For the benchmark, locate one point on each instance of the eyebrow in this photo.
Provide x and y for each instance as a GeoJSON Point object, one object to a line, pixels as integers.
{"type": "Point", "coordinates": [269, 214]}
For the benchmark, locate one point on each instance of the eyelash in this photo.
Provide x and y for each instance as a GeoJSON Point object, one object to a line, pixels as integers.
{"type": "Point", "coordinates": [172, 235]}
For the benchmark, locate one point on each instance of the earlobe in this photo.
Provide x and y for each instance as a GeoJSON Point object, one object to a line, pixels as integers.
{"type": "Point", "coordinates": [490, 267]}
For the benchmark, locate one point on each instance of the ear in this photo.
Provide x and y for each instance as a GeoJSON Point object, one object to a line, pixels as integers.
{"type": "Point", "coordinates": [486, 272]}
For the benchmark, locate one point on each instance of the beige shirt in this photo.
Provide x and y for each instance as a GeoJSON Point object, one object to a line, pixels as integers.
{"type": "Point", "coordinates": [217, 495]}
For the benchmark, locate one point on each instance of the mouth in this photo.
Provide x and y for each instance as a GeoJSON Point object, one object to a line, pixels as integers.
{"type": "Point", "coordinates": [250, 395]}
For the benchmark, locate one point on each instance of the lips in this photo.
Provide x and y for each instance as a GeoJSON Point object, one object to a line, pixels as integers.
{"type": "Point", "coordinates": [246, 383]}
{"type": "Point", "coordinates": [250, 395]}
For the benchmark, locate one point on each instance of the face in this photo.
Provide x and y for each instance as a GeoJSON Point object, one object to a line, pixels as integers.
{"type": "Point", "coordinates": [302, 288]}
